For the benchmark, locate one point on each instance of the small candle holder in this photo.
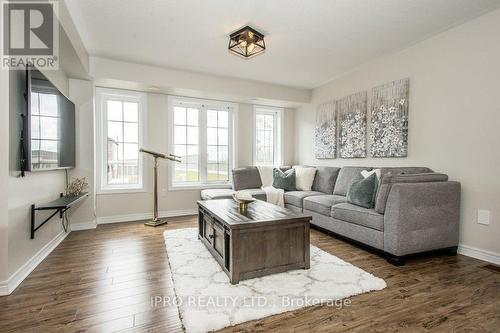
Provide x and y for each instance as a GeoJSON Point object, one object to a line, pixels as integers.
{"type": "Point", "coordinates": [243, 204]}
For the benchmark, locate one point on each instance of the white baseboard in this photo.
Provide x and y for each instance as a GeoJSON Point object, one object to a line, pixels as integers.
{"type": "Point", "coordinates": [7, 287]}
{"type": "Point", "coordinates": [144, 216]}
{"type": "Point", "coordinates": [480, 254]}
{"type": "Point", "coordinates": [83, 226]}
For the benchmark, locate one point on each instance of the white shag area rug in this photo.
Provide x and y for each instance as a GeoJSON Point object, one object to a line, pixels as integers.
{"type": "Point", "coordinates": [207, 301]}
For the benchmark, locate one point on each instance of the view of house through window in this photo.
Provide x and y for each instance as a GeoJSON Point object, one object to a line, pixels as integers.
{"type": "Point", "coordinates": [217, 145]}
{"type": "Point", "coordinates": [202, 137]}
{"type": "Point", "coordinates": [120, 117]}
{"type": "Point", "coordinates": [123, 142]}
{"type": "Point", "coordinates": [186, 129]}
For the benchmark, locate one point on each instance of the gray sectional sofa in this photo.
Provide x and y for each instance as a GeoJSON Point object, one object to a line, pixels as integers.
{"type": "Point", "coordinates": [416, 210]}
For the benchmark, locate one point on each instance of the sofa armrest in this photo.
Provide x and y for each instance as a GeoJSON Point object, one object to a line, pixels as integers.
{"type": "Point", "coordinates": [421, 217]}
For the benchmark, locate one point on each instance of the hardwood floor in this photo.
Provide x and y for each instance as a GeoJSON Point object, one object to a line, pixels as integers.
{"type": "Point", "coordinates": [102, 281]}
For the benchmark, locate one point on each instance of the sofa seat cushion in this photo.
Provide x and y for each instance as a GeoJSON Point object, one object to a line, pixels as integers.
{"type": "Point", "coordinates": [358, 215]}
{"type": "Point", "coordinates": [295, 198]}
{"type": "Point", "coordinates": [322, 204]}
{"type": "Point", "coordinates": [219, 193]}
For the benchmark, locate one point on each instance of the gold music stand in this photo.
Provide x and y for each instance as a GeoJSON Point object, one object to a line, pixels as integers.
{"type": "Point", "coordinates": [156, 221]}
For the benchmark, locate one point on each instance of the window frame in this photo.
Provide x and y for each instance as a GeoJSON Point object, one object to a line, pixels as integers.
{"type": "Point", "coordinates": [102, 96]}
{"type": "Point", "coordinates": [278, 135]}
{"type": "Point", "coordinates": [203, 105]}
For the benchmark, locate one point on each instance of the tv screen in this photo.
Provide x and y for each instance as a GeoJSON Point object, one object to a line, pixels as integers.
{"type": "Point", "coordinates": [49, 125]}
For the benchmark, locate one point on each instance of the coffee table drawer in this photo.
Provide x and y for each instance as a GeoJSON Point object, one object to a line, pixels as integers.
{"type": "Point", "coordinates": [208, 232]}
{"type": "Point", "coordinates": [218, 240]}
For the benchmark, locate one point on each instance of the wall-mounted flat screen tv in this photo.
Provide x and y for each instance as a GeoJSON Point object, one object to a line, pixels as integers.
{"type": "Point", "coordinates": [49, 126]}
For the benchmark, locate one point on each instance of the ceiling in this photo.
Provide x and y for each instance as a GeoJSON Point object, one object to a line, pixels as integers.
{"type": "Point", "coordinates": [308, 42]}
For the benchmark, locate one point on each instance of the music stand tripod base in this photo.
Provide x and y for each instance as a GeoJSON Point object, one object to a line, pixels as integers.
{"type": "Point", "coordinates": [155, 223]}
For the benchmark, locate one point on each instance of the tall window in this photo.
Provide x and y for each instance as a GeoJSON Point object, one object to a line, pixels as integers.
{"type": "Point", "coordinates": [186, 129]}
{"type": "Point", "coordinates": [202, 137]}
{"type": "Point", "coordinates": [267, 133]}
{"type": "Point", "coordinates": [218, 145]}
{"type": "Point", "coordinates": [120, 118]}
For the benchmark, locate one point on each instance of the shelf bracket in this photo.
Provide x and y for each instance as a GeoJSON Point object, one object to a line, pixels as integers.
{"type": "Point", "coordinates": [60, 206]}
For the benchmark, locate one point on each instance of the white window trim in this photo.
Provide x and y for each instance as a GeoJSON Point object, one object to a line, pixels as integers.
{"type": "Point", "coordinates": [203, 104]}
{"type": "Point", "coordinates": [102, 95]}
{"type": "Point", "coordinates": [279, 135]}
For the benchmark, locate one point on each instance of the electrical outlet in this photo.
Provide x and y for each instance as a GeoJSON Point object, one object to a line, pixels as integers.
{"type": "Point", "coordinates": [483, 216]}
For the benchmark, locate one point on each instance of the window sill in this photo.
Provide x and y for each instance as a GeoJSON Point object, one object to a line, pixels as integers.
{"type": "Point", "coordinates": [121, 191]}
{"type": "Point", "coordinates": [188, 187]}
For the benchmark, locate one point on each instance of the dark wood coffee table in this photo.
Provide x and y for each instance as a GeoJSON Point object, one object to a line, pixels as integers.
{"type": "Point", "coordinates": [263, 240]}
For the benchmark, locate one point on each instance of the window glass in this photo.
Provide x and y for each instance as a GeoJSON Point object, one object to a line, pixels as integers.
{"type": "Point", "coordinates": [267, 131]}
{"type": "Point", "coordinates": [186, 132]}
{"type": "Point", "coordinates": [121, 142]}
{"type": "Point", "coordinates": [201, 137]}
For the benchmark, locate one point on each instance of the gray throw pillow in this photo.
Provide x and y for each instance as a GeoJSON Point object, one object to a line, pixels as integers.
{"type": "Point", "coordinates": [284, 180]}
{"type": "Point", "coordinates": [363, 191]}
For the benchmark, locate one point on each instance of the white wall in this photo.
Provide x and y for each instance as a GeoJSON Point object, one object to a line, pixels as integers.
{"type": "Point", "coordinates": [35, 188]}
{"type": "Point", "coordinates": [178, 201]}
{"type": "Point", "coordinates": [81, 93]}
{"type": "Point", "coordinates": [4, 175]}
{"type": "Point", "coordinates": [454, 116]}
{"type": "Point", "coordinates": [128, 75]}
{"type": "Point", "coordinates": [18, 253]}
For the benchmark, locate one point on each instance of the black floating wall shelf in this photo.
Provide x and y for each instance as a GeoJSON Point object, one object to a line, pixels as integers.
{"type": "Point", "coordinates": [60, 206]}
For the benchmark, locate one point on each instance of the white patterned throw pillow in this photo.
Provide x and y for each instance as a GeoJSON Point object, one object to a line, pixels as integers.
{"type": "Point", "coordinates": [367, 174]}
{"type": "Point", "coordinates": [304, 178]}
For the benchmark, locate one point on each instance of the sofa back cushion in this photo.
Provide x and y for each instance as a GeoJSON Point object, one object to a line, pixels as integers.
{"type": "Point", "coordinates": [325, 179]}
{"type": "Point", "coordinates": [404, 170]}
{"type": "Point", "coordinates": [246, 178]}
{"type": "Point", "coordinates": [304, 178]}
{"type": "Point", "coordinates": [388, 179]}
{"type": "Point", "coordinates": [345, 178]}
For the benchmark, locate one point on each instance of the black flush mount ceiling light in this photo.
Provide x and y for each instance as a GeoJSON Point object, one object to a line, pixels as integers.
{"type": "Point", "coordinates": [246, 42]}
